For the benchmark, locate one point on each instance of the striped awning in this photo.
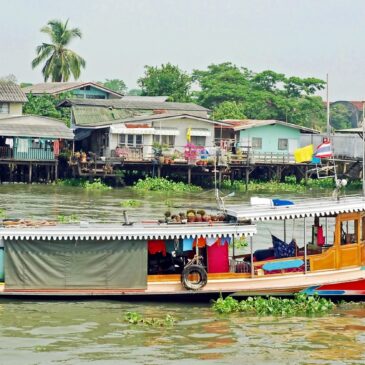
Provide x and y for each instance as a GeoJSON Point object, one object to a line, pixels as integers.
{"type": "Point", "coordinates": [122, 129]}
{"type": "Point", "coordinates": [167, 132]}
{"type": "Point", "coordinates": [135, 232]}
{"type": "Point", "coordinates": [301, 209]}
{"type": "Point", "coordinates": [200, 132]}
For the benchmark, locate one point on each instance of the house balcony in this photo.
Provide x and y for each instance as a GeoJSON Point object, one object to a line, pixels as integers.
{"type": "Point", "coordinates": [33, 154]}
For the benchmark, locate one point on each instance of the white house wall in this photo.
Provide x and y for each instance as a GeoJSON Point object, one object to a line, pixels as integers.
{"type": "Point", "coordinates": [182, 124]}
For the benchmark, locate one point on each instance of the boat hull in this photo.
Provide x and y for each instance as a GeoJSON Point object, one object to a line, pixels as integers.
{"type": "Point", "coordinates": [337, 283]}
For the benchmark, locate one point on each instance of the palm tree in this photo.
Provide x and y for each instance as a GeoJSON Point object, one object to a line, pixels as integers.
{"type": "Point", "coordinates": [60, 62]}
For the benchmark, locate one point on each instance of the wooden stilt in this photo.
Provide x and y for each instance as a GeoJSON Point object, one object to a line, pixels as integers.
{"type": "Point", "coordinates": [30, 170]}
{"type": "Point", "coordinates": [189, 174]}
{"type": "Point", "coordinates": [56, 171]}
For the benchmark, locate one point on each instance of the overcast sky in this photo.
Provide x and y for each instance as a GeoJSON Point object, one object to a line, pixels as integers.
{"type": "Point", "coordinates": [296, 37]}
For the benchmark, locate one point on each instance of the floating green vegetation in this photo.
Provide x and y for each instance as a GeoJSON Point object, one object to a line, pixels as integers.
{"type": "Point", "coordinates": [2, 213]}
{"type": "Point", "coordinates": [290, 184]}
{"type": "Point", "coordinates": [162, 184]}
{"type": "Point", "coordinates": [72, 218]}
{"type": "Point", "coordinates": [131, 203]}
{"type": "Point", "coordinates": [96, 184]}
{"type": "Point", "coordinates": [136, 318]}
{"type": "Point", "coordinates": [300, 305]}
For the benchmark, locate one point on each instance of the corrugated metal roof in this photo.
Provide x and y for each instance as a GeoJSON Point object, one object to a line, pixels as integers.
{"type": "Point", "coordinates": [238, 125]}
{"type": "Point", "coordinates": [301, 209]}
{"type": "Point", "coordinates": [157, 99]}
{"type": "Point", "coordinates": [54, 88]}
{"type": "Point", "coordinates": [129, 104]}
{"type": "Point", "coordinates": [98, 116]}
{"type": "Point", "coordinates": [34, 126]}
{"type": "Point", "coordinates": [137, 231]}
{"type": "Point", "coordinates": [10, 92]}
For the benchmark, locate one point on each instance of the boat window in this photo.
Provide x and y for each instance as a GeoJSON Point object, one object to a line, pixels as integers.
{"type": "Point", "coordinates": [349, 232]}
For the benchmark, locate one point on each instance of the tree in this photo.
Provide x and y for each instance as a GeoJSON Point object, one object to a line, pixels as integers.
{"type": "Point", "coordinates": [263, 95]}
{"type": "Point", "coordinates": [340, 117]}
{"type": "Point", "coordinates": [46, 106]}
{"type": "Point", "coordinates": [134, 92]}
{"type": "Point", "coordinates": [223, 82]}
{"type": "Point", "coordinates": [167, 80]}
{"type": "Point", "coordinates": [59, 61]}
{"type": "Point", "coordinates": [228, 110]}
{"type": "Point", "coordinates": [115, 84]}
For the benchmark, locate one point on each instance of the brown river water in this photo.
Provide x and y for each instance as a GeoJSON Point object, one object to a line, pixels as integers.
{"type": "Point", "coordinates": [94, 331]}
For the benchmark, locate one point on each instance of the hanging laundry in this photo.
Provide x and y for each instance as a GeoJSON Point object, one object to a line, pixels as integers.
{"type": "Point", "coordinates": [56, 147]}
{"type": "Point", "coordinates": [9, 142]}
{"type": "Point", "coordinates": [155, 246]}
{"type": "Point", "coordinates": [188, 244]}
{"type": "Point", "coordinates": [210, 241]}
{"type": "Point", "coordinates": [218, 259]}
{"type": "Point", "coordinates": [200, 241]}
{"type": "Point", "coordinates": [225, 241]}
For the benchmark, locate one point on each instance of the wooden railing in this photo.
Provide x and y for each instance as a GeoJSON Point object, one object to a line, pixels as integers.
{"type": "Point", "coordinates": [253, 157]}
{"type": "Point", "coordinates": [5, 152]}
{"type": "Point", "coordinates": [128, 153]}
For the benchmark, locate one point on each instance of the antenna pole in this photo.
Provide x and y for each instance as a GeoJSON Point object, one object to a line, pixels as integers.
{"type": "Point", "coordinates": [328, 110]}
{"type": "Point", "coordinates": [363, 149]}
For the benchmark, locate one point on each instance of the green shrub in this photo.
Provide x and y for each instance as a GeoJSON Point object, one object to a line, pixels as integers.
{"type": "Point", "coordinates": [162, 184]}
{"type": "Point", "coordinates": [300, 305]}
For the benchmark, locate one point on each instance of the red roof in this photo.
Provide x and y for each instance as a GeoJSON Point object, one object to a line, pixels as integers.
{"type": "Point", "coordinates": [357, 104]}
{"type": "Point", "coordinates": [129, 125]}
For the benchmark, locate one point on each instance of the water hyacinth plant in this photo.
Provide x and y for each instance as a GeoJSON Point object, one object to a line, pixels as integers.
{"type": "Point", "coordinates": [94, 185]}
{"type": "Point", "coordinates": [72, 218]}
{"type": "Point", "coordinates": [136, 318]}
{"type": "Point", "coordinates": [300, 305]}
{"type": "Point", "coordinates": [131, 203]}
{"type": "Point", "coordinates": [290, 184]}
{"type": "Point", "coordinates": [162, 184]}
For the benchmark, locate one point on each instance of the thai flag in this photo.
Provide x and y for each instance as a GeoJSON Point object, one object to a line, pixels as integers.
{"type": "Point", "coordinates": [324, 150]}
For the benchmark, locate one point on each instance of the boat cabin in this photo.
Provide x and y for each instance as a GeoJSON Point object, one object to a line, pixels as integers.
{"type": "Point", "coordinates": [326, 235]}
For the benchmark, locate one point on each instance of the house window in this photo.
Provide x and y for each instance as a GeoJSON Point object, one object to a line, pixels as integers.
{"type": "Point", "coordinates": [4, 108]}
{"type": "Point", "coordinates": [257, 143]}
{"type": "Point", "coordinates": [139, 140]}
{"type": "Point", "coordinates": [164, 140]}
{"type": "Point", "coordinates": [198, 140]}
{"type": "Point", "coordinates": [283, 144]}
{"type": "Point", "coordinates": [130, 140]}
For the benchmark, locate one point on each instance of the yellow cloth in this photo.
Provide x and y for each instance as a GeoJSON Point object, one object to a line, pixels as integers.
{"type": "Point", "coordinates": [304, 154]}
{"type": "Point", "coordinates": [188, 135]}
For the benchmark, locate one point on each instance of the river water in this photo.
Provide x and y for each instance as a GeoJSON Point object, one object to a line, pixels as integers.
{"type": "Point", "coordinates": [94, 331]}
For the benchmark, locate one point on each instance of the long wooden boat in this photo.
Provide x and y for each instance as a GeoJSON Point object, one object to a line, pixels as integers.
{"type": "Point", "coordinates": [157, 260]}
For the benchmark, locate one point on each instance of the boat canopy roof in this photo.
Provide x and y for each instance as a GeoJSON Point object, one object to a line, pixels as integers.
{"type": "Point", "coordinates": [120, 232]}
{"type": "Point", "coordinates": [300, 209]}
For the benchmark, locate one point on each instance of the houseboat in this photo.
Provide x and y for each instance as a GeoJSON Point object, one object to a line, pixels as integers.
{"type": "Point", "coordinates": [186, 256]}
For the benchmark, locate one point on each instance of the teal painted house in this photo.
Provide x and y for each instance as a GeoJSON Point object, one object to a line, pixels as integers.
{"type": "Point", "coordinates": [82, 90]}
{"type": "Point", "coordinates": [268, 136]}
{"type": "Point", "coordinates": [32, 138]}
